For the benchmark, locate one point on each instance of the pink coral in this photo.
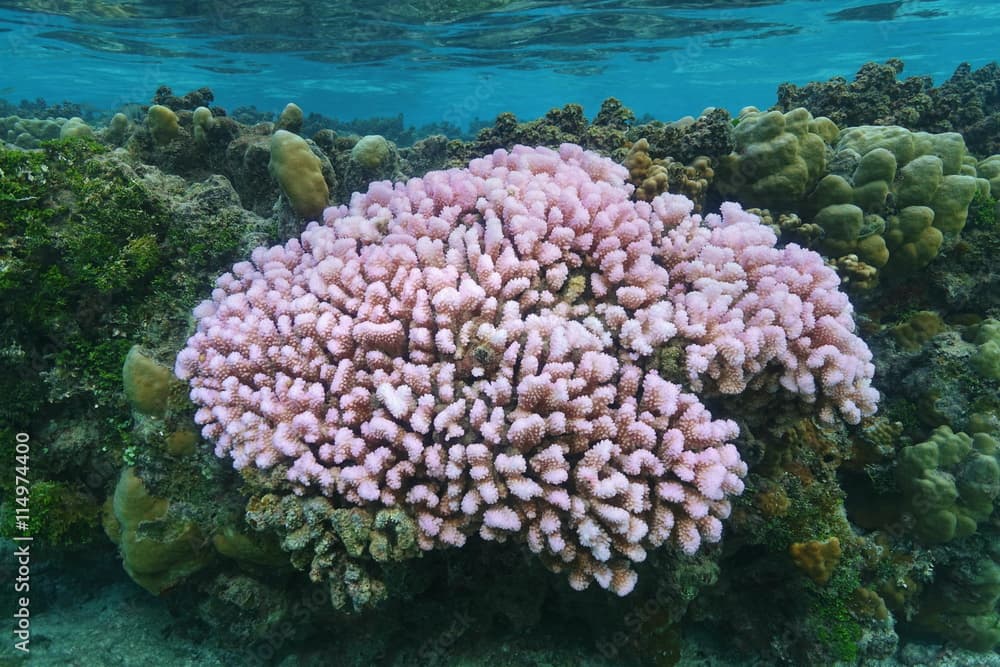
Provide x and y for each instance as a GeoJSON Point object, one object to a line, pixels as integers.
{"type": "Point", "coordinates": [476, 346]}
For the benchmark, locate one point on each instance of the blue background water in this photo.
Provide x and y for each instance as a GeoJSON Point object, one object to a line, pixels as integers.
{"type": "Point", "coordinates": [437, 61]}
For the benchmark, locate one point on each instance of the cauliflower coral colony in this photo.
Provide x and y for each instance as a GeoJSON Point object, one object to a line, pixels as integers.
{"type": "Point", "coordinates": [478, 348]}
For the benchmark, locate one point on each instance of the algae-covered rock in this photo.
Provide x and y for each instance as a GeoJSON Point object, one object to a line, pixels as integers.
{"type": "Point", "coordinates": [61, 515]}
{"type": "Point", "coordinates": [919, 328]}
{"type": "Point", "coordinates": [181, 442]}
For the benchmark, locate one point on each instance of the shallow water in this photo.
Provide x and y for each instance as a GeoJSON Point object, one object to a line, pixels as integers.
{"type": "Point", "coordinates": [466, 61]}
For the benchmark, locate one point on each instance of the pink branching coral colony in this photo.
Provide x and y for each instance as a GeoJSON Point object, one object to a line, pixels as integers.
{"type": "Point", "coordinates": [477, 347]}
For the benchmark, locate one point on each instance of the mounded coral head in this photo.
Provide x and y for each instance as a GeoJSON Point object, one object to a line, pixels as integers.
{"type": "Point", "coordinates": [162, 123]}
{"type": "Point", "coordinates": [299, 173]}
{"type": "Point", "coordinates": [372, 151]}
{"type": "Point", "coordinates": [950, 483]}
{"type": "Point", "coordinates": [430, 347]}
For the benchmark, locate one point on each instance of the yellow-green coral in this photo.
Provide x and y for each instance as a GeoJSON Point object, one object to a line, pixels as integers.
{"type": "Point", "coordinates": [922, 172]}
{"type": "Point", "coordinates": [885, 194]}
{"type": "Point", "coordinates": [202, 122]}
{"type": "Point", "coordinates": [290, 118]}
{"type": "Point", "coordinates": [872, 178]}
{"type": "Point", "coordinates": [949, 483]}
{"type": "Point", "coordinates": [649, 179]}
{"type": "Point", "coordinates": [249, 548]}
{"type": "Point", "coordinates": [117, 129]}
{"type": "Point", "coordinates": [986, 359]}
{"type": "Point", "coordinates": [162, 123]}
{"type": "Point", "coordinates": [778, 158]}
{"type": "Point", "coordinates": [990, 170]}
{"type": "Point", "coordinates": [919, 328]}
{"type": "Point", "coordinates": [299, 173]}
{"type": "Point", "coordinates": [841, 222]}
{"type": "Point", "coordinates": [75, 127]}
{"type": "Point", "coordinates": [372, 152]}
{"type": "Point", "coordinates": [961, 605]}
{"type": "Point", "coordinates": [394, 536]}
{"type": "Point", "coordinates": [912, 239]}
{"type": "Point", "coordinates": [817, 558]}
{"type": "Point", "coordinates": [348, 548]}
{"type": "Point", "coordinates": [159, 549]}
{"type": "Point", "coordinates": [654, 177]}
{"type": "Point", "coordinates": [147, 383]}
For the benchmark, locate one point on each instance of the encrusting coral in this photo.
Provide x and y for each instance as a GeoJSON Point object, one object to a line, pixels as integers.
{"type": "Point", "coordinates": [817, 558]}
{"type": "Point", "coordinates": [429, 347]}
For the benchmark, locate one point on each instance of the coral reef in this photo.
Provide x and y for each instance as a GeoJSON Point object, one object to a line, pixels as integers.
{"type": "Point", "coordinates": [566, 125]}
{"type": "Point", "coordinates": [686, 139]}
{"type": "Point", "coordinates": [626, 359]}
{"type": "Point", "coordinates": [966, 103]}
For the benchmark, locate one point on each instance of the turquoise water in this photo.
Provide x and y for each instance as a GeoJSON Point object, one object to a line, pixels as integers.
{"type": "Point", "coordinates": [459, 62]}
